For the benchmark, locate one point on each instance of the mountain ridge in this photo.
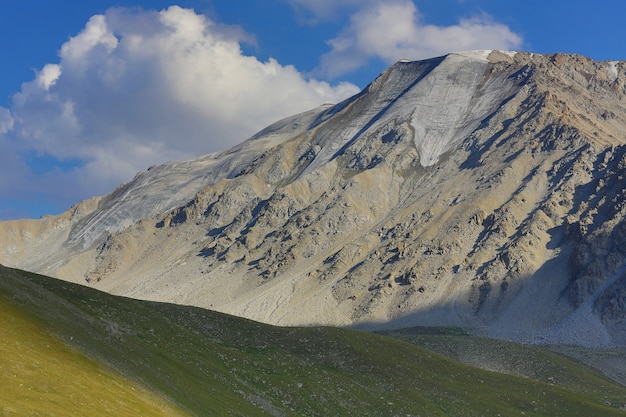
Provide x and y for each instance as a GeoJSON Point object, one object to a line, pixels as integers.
{"type": "Point", "coordinates": [478, 189]}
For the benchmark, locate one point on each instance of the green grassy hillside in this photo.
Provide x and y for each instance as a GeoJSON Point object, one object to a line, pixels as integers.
{"type": "Point", "coordinates": [41, 376]}
{"type": "Point", "coordinates": [212, 364]}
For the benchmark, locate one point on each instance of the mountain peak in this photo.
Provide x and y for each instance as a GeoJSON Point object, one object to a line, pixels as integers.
{"type": "Point", "coordinates": [441, 100]}
{"type": "Point", "coordinates": [489, 55]}
{"type": "Point", "coordinates": [480, 189]}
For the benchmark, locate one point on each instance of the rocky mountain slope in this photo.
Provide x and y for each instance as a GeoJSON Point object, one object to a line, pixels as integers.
{"type": "Point", "coordinates": [479, 189]}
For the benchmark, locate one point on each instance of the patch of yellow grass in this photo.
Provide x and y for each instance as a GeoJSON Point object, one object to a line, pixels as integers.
{"type": "Point", "coordinates": [40, 376]}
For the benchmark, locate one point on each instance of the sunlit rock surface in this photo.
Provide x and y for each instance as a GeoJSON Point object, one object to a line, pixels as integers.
{"type": "Point", "coordinates": [481, 189]}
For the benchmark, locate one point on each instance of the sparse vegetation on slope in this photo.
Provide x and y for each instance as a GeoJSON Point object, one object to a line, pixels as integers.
{"type": "Point", "coordinates": [543, 363]}
{"type": "Point", "coordinates": [214, 364]}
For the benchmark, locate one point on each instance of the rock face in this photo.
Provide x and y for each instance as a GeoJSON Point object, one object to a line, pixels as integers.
{"type": "Point", "coordinates": [481, 189]}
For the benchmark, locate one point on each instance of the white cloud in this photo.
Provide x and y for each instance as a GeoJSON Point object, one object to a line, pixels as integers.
{"type": "Point", "coordinates": [134, 88]}
{"type": "Point", "coordinates": [394, 30]}
{"type": "Point", "coordinates": [48, 76]}
{"type": "Point", "coordinates": [6, 121]}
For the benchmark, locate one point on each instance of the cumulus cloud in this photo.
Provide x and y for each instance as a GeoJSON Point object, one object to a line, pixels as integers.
{"type": "Point", "coordinates": [394, 30]}
{"type": "Point", "coordinates": [6, 121]}
{"type": "Point", "coordinates": [138, 87]}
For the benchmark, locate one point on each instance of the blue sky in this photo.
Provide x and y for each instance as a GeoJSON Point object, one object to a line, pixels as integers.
{"type": "Point", "coordinates": [92, 92]}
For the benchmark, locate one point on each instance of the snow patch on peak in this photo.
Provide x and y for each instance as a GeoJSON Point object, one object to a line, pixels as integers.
{"type": "Point", "coordinates": [484, 55]}
{"type": "Point", "coordinates": [488, 55]}
{"type": "Point", "coordinates": [481, 55]}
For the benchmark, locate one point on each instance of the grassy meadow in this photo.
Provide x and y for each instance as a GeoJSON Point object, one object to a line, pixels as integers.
{"type": "Point", "coordinates": [71, 350]}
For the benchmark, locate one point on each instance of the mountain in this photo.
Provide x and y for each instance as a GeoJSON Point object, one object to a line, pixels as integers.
{"type": "Point", "coordinates": [72, 350]}
{"type": "Point", "coordinates": [479, 189]}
